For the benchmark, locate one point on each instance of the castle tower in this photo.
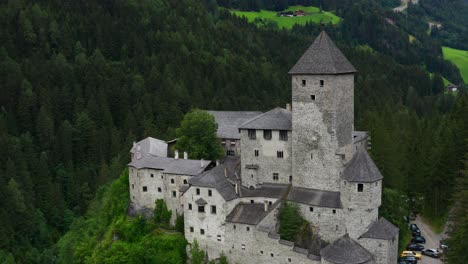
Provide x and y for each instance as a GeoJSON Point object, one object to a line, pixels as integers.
{"type": "Point", "coordinates": [322, 115]}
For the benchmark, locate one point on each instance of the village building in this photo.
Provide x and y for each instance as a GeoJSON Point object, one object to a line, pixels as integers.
{"type": "Point", "coordinates": [307, 154]}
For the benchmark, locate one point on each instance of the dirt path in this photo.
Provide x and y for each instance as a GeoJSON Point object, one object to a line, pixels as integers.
{"type": "Point", "coordinates": [432, 239]}
{"type": "Point", "coordinates": [404, 5]}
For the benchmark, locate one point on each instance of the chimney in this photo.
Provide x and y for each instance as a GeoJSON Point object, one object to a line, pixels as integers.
{"type": "Point", "coordinates": [176, 154]}
{"type": "Point", "coordinates": [288, 107]}
{"type": "Point", "coordinates": [185, 155]}
{"type": "Point", "coordinates": [265, 205]}
{"type": "Point", "coordinates": [201, 163]}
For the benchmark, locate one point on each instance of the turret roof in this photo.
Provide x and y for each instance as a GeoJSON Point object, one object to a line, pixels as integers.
{"type": "Point", "coordinates": [345, 250]}
{"type": "Point", "coordinates": [361, 168]}
{"type": "Point", "coordinates": [381, 229]}
{"type": "Point", "coordinates": [322, 57]}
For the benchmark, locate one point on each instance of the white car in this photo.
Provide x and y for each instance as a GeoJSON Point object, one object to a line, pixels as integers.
{"type": "Point", "coordinates": [431, 252]}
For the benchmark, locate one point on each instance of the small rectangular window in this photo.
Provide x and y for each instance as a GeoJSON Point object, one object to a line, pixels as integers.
{"type": "Point", "coordinates": [321, 83]}
{"type": "Point", "coordinates": [219, 237]}
{"type": "Point", "coordinates": [159, 189]}
{"type": "Point", "coordinates": [223, 142]}
{"type": "Point", "coordinates": [185, 181]}
{"type": "Point", "coordinates": [283, 135]}
{"type": "Point", "coordinates": [152, 175]}
{"type": "Point", "coordinates": [270, 203]}
{"type": "Point", "coordinates": [334, 211]}
{"type": "Point", "coordinates": [248, 228]}
{"type": "Point", "coordinates": [234, 227]}
{"type": "Point", "coordinates": [201, 208]}
{"type": "Point", "coordinates": [303, 82]}
{"type": "Point", "coordinates": [243, 247]}
{"type": "Point", "coordinates": [190, 206]}
{"type": "Point", "coordinates": [312, 97]}
{"type": "Point", "coordinates": [145, 189]}
{"type": "Point", "coordinates": [275, 176]}
{"type": "Point", "coordinates": [133, 186]}
{"type": "Point", "coordinates": [233, 143]}
{"type": "Point", "coordinates": [267, 134]}
{"type": "Point", "coordinates": [162, 176]}
{"type": "Point", "coordinates": [252, 134]}
{"type": "Point", "coordinates": [289, 260]}
{"type": "Point", "coordinates": [311, 209]}
{"type": "Point", "coordinates": [191, 229]}
{"type": "Point", "coordinates": [213, 209]}
{"type": "Point", "coordinates": [376, 184]}
{"type": "Point", "coordinates": [360, 187]}
{"type": "Point", "coordinates": [210, 193]}
{"type": "Point", "coordinates": [279, 154]}
{"type": "Point", "coordinates": [252, 201]}
{"type": "Point", "coordinates": [272, 255]}
{"type": "Point", "coordinates": [172, 181]}
{"type": "Point", "coordinates": [174, 194]}
{"type": "Point", "coordinates": [197, 191]}
{"type": "Point", "coordinates": [202, 231]}
{"type": "Point", "coordinates": [256, 152]}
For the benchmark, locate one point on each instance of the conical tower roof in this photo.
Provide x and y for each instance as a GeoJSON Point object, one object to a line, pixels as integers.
{"type": "Point", "coordinates": [361, 168]}
{"type": "Point", "coordinates": [345, 250]}
{"type": "Point", "coordinates": [322, 57]}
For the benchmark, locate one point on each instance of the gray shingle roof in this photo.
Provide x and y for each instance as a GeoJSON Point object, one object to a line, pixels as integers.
{"type": "Point", "coordinates": [345, 250]}
{"type": "Point", "coordinates": [229, 121]}
{"type": "Point", "coordinates": [322, 57]}
{"type": "Point", "coordinates": [361, 168]}
{"type": "Point", "coordinates": [201, 201]}
{"type": "Point", "coordinates": [250, 214]}
{"type": "Point", "coordinates": [170, 165]}
{"type": "Point", "coordinates": [315, 197]}
{"type": "Point", "coordinates": [381, 229]}
{"type": "Point", "coordinates": [151, 146]}
{"type": "Point", "coordinates": [215, 178]}
{"type": "Point", "coordinates": [270, 190]}
{"type": "Point", "coordinates": [276, 119]}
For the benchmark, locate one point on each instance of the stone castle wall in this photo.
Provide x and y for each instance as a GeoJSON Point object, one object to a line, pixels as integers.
{"type": "Point", "coordinates": [329, 222]}
{"type": "Point", "coordinates": [385, 251]}
{"type": "Point", "coordinates": [267, 160]}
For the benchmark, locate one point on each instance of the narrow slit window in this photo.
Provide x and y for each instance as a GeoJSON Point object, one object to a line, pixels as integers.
{"type": "Point", "coordinates": [210, 193]}
{"type": "Point", "coordinates": [159, 189]}
{"type": "Point", "coordinates": [174, 194]}
{"type": "Point", "coordinates": [213, 209]}
{"type": "Point", "coordinates": [360, 187]}
{"type": "Point", "coordinates": [303, 82]}
{"type": "Point", "coordinates": [256, 152]}
{"type": "Point", "coordinates": [322, 82]}
{"type": "Point", "coordinates": [312, 97]}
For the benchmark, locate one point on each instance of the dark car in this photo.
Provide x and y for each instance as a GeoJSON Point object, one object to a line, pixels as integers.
{"type": "Point", "coordinates": [431, 252]}
{"type": "Point", "coordinates": [409, 260]}
{"type": "Point", "coordinates": [402, 261]}
{"type": "Point", "coordinates": [413, 227]}
{"type": "Point", "coordinates": [415, 247]}
{"type": "Point", "coordinates": [418, 240]}
{"type": "Point", "coordinates": [416, 233]}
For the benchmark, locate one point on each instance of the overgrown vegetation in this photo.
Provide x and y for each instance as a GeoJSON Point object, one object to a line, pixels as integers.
{"type": "Point", "coordinates": [107, 235]}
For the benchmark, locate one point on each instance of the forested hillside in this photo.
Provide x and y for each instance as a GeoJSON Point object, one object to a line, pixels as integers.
{"type": "Point", "coordinates": [81, 80]}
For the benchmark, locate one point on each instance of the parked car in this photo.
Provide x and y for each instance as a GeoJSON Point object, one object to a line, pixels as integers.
{"type": "Point", "coordinates": [409, 260]}
{"type": "Point", "coordinates": [416, 233]}
{"type": "Point", "coordinates": [418, 240]}
{"type": "Point", "coordinates": [411, 253]}
{"type": "Point", "coordinates": [414, 227]}
{"type": "Point", "coordinates": [415, 247]}
{"type": "Point", "coordinates": [431, 252]}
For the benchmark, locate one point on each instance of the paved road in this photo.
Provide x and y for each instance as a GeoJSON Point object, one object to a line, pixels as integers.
{"type": "Point", "coordinates": [432, 241]}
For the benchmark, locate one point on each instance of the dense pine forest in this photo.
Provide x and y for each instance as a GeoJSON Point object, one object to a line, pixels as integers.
{"type": "Point", "coordinates": [81, 80]}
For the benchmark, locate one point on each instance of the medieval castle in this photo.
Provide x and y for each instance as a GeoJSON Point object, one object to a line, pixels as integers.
{"type": "Point", "coordinates": [308, 154]}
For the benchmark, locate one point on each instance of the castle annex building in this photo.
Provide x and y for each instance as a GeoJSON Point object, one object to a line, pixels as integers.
{"type": "Point", "coordinates": [308, 154]}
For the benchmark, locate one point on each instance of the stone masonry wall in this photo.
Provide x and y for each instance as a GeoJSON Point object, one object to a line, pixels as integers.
{"type": "Point", "coordinates": [267, 160]}
{"type": "Point", "coordinates": [385, 251]}
{"type": "Point", "coordinates": [330, 226]}
{"type": "Point", "coordinates": [158, 186]}
{"type": "Point", "coordinates": [322, 128]}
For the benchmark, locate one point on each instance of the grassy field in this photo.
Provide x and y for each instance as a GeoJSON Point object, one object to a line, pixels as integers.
{"type": "Point", "coordinates": [460, 58]}
{"type": "Point", "coordinates": [288, 22]}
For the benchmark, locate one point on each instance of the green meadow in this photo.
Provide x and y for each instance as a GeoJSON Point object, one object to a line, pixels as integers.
{"type": "Point", "coordinates": [459, 58]}
{"type": "Point", "coordinates": [314, 16]}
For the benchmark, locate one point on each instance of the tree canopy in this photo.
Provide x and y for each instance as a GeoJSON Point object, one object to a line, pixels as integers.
{"type": "Point", "coordinates": [197, 136]}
